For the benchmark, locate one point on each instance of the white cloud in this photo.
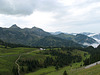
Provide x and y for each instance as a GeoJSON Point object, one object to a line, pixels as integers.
{"type": "Point", "coordinates": [84, 10]}
{"type": "Point", "coordinates": [72, 2]}
{"type": "Point", "coordinates": [39, 19]}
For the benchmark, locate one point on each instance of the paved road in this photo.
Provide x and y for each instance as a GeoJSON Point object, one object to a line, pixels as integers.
{"type": "Point", "coordinates": [92, 64]}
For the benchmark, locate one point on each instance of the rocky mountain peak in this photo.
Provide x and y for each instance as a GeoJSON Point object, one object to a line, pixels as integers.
{"type": "Point", "coordinates": [36, 29]}
{"type": "Point", "coordinates": [14, 26]}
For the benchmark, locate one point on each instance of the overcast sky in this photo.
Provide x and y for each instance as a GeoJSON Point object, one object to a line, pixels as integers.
{"type": "Point", "coordinates": [52, 15]}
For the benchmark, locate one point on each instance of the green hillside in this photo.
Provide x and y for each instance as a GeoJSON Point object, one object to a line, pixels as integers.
{"type": "Point", "coordinates": [95, 70]}
{"type": "Point", "coordinates": [8, 57]}
{"type": "Point", "coordinates": [52, 71]}
{"type": "Point", "coordinates": [51, 41]}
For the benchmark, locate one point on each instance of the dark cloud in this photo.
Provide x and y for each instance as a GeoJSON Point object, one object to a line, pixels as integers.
{"type": "Point", "coordinates": [27, 7]}
{"type": "Point", "coordinates": [16, 7]}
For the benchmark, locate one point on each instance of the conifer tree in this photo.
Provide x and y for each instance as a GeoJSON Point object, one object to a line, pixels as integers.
{"type": "Point", "coordinates": [65, 73]}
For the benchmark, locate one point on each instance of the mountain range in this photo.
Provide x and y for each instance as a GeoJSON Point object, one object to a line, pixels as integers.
{"type": "Point", "coordinates": [95, 36]}
{"type": "Point", "coordinates": [38, 37]}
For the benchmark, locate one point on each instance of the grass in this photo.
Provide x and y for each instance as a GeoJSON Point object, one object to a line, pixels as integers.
{"type": "Point", "coordinates": [6, 64]}
{"type": "Point", "coordinates": [13, 51]}
{"type": "Point", "coordinates": [43, 71]}
{"type": "Point", "coordinates": [52, 70]}
{"type": "Point", "coordinates": [95, 70]}
{"type": "Point", "coordinates": [8, 57]}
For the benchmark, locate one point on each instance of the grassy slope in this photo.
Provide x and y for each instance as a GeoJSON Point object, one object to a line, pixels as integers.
{"type": "Point", "coordinates": [6, 64]}
{"type": "Point", "coordinates": [52, 71]}
{"type": "Point", "coordinates": [95, 70]}
{"type": "Point", "coordinates": [8, 57]}
{"type": "Point", "coordinates": [43, 71]}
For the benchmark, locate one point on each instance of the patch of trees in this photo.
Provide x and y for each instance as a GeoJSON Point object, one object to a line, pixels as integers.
{"type": "Point", "coordinates": [31, 65]}
{"type": "Point", "coordinates": [49, 61]}
{"type": "Point", "coordinates": [94, 55]}
{"type": "Point", "coordinates": [62, 59]}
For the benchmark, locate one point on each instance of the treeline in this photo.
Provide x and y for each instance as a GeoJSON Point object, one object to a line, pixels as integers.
{"type": "Point", "coordinates": [6, 45]}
